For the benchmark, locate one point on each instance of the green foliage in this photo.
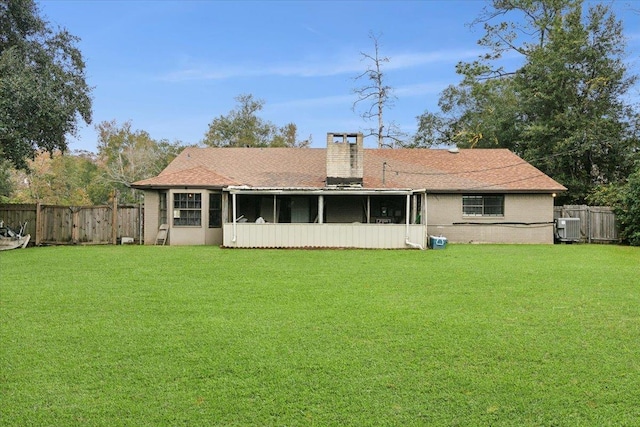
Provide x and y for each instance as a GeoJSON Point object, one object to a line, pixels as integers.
{"type": "Point", "coordinates": [606, 195]}
{"type": "Point", "coordinates": [500, 335]}
{"type": "Point", "coordinates": [43, 89]}
{"type": "Point", "coordinates": [6, 184]}
{"type": "Point", "coordinates": [243, 128]}
{"type": "Point", "coordinates": [564, 109]}
{"type": "Point", "coordinates": [131, 155]}
{"type": "Point", "coordinates": [628, 211]}
{"type": "Point", "coordinates": [625, 199]}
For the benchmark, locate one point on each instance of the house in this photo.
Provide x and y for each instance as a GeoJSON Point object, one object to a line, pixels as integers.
{"type": "Point", "coordinates": [347, 196]}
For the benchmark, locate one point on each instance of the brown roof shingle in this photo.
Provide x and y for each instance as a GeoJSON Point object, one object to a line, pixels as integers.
{"type": "Point", "coordinates": [431, 169]}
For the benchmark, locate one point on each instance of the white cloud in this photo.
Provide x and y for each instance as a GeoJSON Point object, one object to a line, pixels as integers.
{"type": "Point", "coordinates": [313, 68]}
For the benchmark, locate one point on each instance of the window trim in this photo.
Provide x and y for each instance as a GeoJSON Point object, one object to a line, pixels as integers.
{"type": "Point", "coordinates": [483, 205]}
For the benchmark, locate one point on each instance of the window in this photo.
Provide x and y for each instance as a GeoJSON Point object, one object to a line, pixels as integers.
{"type": "Point", "coordinates": [187, 209]}
{"type": "Point", "coordinates": [490, 205]}
{"type": "Point", "coordinates": [162, 210]}
{"type": "Point", "coordinates": [215, 210]}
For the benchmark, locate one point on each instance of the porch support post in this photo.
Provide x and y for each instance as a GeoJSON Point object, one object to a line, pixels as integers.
{"type": "Point", "coordinates": [275, 209]}
{"type": "Point", "coordinates": [235, 215]}
{"type": "Point", "coordinates": [320, 208]}
{"type": "Point", "coordinates": [423, 215]}
{"type": "Point", "coordinates": [414, 209]}
{"type": "Point", "coordinates": [368, 209]}
{"type": "Point", "coordinates": [225, 207]}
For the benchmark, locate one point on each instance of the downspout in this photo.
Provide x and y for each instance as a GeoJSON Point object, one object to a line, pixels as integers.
{"type": "Point", "coordinates": [235, 228]}
{"type": "Point", "coordinates": [406, 240]}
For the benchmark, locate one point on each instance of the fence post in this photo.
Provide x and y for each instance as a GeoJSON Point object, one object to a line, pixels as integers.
{"type": "Point", "coordinates": [589, 223]}
{"type": "Point", "coordinates": [38, 236]}
{"type": "Point", "coordinates": [75, 219]}
{"type": "Point", "coordinates": [114, 218]}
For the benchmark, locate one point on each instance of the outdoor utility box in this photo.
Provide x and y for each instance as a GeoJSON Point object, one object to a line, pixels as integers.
{"type": "Point", "coordinates": [568, 229]}
{"type": "Point", "coordinates": [437, 242]}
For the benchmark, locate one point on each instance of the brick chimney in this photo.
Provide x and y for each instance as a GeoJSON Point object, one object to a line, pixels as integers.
{"type": "Point", "coordinates": [345, 159]}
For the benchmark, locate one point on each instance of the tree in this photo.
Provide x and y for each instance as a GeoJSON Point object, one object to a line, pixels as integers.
{"type": "Point", "coordinates": [54, 178]}
{"type": "Point", "coordinates": [241, 127]}
{"type": "Point", "coordinates": [377, 97]}
{"type": "Point", "coordinates": [563, 109]}
{"type": "Point", "coordinates": [43, 89]}
{"type": "Point", "coordinates": [131, 155]}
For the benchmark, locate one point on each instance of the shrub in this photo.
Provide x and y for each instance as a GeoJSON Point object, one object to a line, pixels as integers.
{"type": "Point", "coordinates": [628, 210]}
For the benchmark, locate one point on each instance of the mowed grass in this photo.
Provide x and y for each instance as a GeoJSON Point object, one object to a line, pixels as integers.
{"type": "Point", "coordinates": [185, 336]}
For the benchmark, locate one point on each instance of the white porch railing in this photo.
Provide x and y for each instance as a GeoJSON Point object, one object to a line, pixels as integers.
{"type": "Point", "coordinates": [388, 236]}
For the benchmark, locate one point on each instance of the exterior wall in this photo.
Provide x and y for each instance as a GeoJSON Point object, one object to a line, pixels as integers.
{"type": "Point", "coordinates": [528, 218]}
{"type": "Point", "coordinates": [151, 214]}
{"type": "Point", "coordinates": [179, 235]}
{"type": "Point", "coordinates": [392, 236]}
{"type": "Point", "coordinates": [183, 234]}
{"type": "Point", "coordinates": [213, 236]}
{"type": "Point", "coordinates": [194, 235]}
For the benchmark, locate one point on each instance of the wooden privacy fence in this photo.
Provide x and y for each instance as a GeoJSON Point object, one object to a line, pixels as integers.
{"type": "Point", "coordinates": [597, 223]}
{"type": "Point", "coordinates": [64, 225]}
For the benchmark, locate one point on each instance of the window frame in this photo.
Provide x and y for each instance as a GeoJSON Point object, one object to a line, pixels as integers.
{"type": "Point", "coordinates": [188, 207]}
{"type": "Point", "coordinates": [163, 208]}
{"type": "Point", "coordinates": [483, 207]}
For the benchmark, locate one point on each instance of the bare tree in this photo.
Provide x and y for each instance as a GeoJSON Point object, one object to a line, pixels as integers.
{"type": "Point", "coordinates": [377, 97]}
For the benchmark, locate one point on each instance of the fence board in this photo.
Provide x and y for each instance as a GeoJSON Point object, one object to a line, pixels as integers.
{"type": "Point", "coordinates": [597, 223]}
{"type": "Point", "coordinates": [14, 215]}
{"type": "Point", "coordinates": [58, 225]}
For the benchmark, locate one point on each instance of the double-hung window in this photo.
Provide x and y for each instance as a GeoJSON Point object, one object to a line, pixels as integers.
{"type": "Point", "coordinates": [483, 205]}
{"type": "Point", "coordinates": [187, 209]}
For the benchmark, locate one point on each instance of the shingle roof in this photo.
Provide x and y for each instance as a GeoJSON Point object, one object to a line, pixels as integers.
{"type": "Point", "coordinates": [431, 169]}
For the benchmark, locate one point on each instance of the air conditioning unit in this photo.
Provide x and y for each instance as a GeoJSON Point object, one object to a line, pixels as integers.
{"type": "Point", "coordinates": [568, 229]}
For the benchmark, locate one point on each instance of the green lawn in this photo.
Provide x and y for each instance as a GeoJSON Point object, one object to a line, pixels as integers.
{"type": "Point", "coordinates": [199, 336]}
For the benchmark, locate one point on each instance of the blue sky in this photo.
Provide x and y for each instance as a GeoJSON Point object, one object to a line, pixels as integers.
{"type": "Point", "coordinates": [171, 67]}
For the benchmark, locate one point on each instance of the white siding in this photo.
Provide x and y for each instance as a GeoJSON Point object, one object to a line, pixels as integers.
{"type": "Point", "coordinates": [391, 236]}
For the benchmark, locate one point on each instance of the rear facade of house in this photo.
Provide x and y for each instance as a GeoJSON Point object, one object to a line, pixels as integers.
{"type": "Point", "coordinates": [345, 196]}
